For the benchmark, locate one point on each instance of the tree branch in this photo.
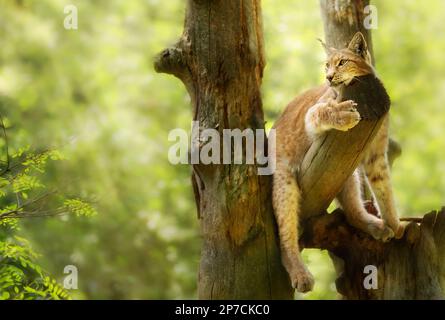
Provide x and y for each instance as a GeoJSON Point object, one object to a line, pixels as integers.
{"type": "Point", "coordinates": [170, 61]}
{"type": "Point", "coordinates": [332, 232]}
{"type": "Point", "coordinates": [174, 61]}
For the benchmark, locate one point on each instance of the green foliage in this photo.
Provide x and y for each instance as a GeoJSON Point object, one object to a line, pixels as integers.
{"type": "Point", "coordinates": [21, 278]}
{"type": "Point", "coordinates": [80, 208]}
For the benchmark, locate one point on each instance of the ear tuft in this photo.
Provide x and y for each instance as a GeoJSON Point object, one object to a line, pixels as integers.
{"type": "Point", "coordinates": [326, 48]}
{"type": "Point", "coordinates": [358, 45]}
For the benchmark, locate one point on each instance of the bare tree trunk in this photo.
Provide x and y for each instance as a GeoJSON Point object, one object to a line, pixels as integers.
{"type": "Point", "coordinates": [220, 59]}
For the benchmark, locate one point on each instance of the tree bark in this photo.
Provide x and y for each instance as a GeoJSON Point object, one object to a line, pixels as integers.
{"type": "Point", "coordinates": [220, 59]}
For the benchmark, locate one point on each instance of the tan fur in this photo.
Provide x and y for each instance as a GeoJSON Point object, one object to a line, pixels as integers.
{"type": "Point", "coordinates": [312, 114]}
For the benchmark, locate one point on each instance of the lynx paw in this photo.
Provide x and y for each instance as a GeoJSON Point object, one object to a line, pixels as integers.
{"type": "Point", "coordinates": [345, 115]}
{"type": "Point", "coordinates": [302, 280]}
{"type": "Point", "coordinates": [398, 230]}
{"type": "Point", "coordinates": [380, 231]}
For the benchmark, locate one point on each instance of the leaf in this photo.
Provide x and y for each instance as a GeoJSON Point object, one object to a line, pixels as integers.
{"type": "Point", "coordinates": [79, 207]}
{"type": "Point", "coordinates": [5, 296]}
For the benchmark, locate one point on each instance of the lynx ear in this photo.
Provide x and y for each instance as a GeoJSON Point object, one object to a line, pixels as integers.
{"type": "Point", "coordinates": [326, 48]}
{"type": "Point", "coordinates": [358, 45]}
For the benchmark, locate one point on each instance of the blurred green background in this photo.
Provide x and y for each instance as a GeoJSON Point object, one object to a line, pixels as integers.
{"type": "Point", "coordinates": [93, 94]}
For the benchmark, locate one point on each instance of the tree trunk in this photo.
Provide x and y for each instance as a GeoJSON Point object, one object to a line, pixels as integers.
{"type": "Point", "coordinates": [220, 59]}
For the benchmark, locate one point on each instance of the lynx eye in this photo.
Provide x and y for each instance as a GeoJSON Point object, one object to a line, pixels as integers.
{"type": "Point", "coordinates": [342, 62]}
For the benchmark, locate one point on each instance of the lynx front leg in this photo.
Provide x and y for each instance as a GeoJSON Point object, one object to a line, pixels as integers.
{"type": "Point", "coordinates": [286, 197]}
{"type": "Point", "coordinates": [328, 115]}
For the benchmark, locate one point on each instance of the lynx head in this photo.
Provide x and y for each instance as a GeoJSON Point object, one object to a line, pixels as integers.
{"type": "Point", "coordinates": [343, 65]}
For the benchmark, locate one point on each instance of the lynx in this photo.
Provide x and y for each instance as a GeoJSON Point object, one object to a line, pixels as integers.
{"type": "Point", "coordinates": [313, 114]}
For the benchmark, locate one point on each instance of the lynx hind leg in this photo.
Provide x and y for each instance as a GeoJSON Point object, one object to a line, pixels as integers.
{"type": "Point", "coordinates": [378, 174]}
{"type": "Point", "coordinates": [286, 197]}
{"type": "Point", "coordinates": [328, 115]}
{"type": "Point", "coordinates": [351, 201]}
